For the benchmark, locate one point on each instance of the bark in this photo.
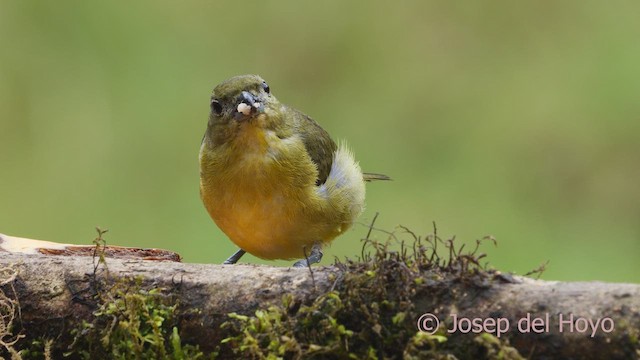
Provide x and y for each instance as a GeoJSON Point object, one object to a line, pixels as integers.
{"type": "Point", "coordinates": [54, 292]}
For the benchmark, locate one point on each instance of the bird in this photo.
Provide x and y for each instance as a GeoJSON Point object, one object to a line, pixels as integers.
{"type": "Point", "coordinates": [271, 177]}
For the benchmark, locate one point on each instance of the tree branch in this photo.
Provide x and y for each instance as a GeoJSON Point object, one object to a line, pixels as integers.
{"type": "Point", "coordinates": [56, 293]}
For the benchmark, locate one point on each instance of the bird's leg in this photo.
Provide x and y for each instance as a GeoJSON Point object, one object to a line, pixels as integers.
{"type": "Point", "coordinates": [314, 257]}
{"type": "Point", "coordinates": [234, 258]}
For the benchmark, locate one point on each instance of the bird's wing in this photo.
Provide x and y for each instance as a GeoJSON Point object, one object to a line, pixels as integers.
{"type": "Point", "coordinates": [318, 143]}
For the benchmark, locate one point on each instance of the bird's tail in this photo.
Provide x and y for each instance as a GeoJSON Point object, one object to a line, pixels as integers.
{"type": "Point", "coordinates": [373, 177]}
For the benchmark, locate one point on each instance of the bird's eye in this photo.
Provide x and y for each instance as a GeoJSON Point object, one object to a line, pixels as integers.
{"type": "Point", "coordinates": [216, 107]}
{"type": "Point", "coordinates": [266, 87]}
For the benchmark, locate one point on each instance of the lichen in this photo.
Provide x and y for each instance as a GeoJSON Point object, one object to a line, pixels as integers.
{"type": "Point", "coordinates": [9, 313]}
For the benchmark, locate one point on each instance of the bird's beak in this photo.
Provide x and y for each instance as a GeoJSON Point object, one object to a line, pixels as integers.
{"type": "Point", "coordinates": [248, 105]}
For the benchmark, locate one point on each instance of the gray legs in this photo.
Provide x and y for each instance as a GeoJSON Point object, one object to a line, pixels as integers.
{"type": "Point", "coordinates": [234, 258]}
{"type": "Point", "coordinates": [314, 257]}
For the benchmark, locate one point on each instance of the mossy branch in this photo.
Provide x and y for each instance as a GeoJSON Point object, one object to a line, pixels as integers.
{"type": "Point", "coordinates": [102, 307]}
{"type": "Point", "coordinates": [57, 294]}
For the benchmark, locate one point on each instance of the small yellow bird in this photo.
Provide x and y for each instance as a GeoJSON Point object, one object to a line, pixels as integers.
{"type": "Point", "coordinates": [272, 179]}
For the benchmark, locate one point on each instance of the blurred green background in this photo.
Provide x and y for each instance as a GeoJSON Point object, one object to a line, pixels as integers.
{"type": "Point", "coordinates": [515, 119]}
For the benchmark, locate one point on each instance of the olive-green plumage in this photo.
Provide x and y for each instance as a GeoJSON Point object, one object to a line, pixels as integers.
{"type": "Point", "coordinates": [270, 177]}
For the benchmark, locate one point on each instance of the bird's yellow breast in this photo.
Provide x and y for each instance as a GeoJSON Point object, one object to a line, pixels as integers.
{"type": "Point", "coordinates": [260, 190]}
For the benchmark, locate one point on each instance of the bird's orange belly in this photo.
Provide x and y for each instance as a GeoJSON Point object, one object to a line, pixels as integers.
{"type": "Point", "coordinates": [265, 200]}
{"type": "Point", "coordinates": [269, 225]}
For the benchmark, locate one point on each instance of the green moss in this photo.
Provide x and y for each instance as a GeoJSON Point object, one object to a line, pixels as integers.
{"type": "Point", "coordinates": [273, 333]}
{"type": "Point", "coordinates": [38, 349]}
{"type": "Point", "coordinates": [132, 323]}
{"type": "Point", "coordinates": [496, 349]}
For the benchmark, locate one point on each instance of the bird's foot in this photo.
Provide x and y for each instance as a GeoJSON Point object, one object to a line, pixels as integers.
{"type": "Point", "coordinates": [234, 258]}
{"type": "Point", "coordinates": [314, 257]}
